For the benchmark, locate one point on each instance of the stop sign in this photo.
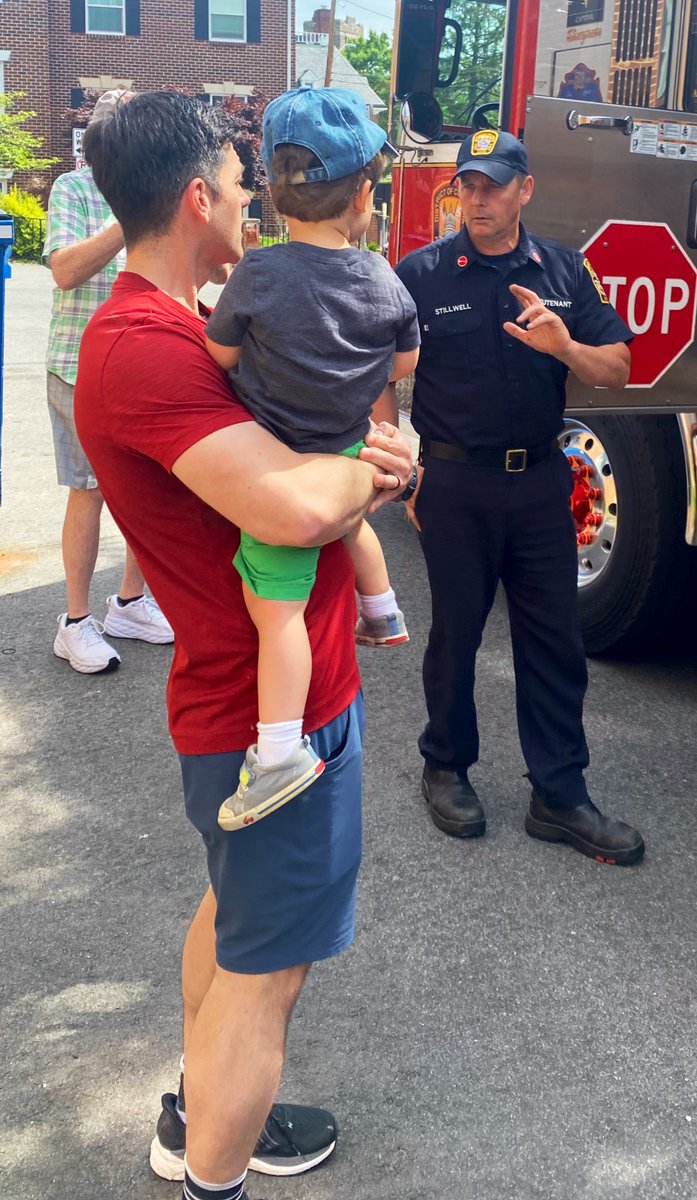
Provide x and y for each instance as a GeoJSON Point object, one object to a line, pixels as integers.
{"type": "Point", "coordinates": [652, 283]}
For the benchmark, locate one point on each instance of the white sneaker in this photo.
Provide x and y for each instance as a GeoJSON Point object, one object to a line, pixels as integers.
{"type": "Point", "coordinates": [84, 647]}
{"type": "Point", "coordinates": [142, 619]}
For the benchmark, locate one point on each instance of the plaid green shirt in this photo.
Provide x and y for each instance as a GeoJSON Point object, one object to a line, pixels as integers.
{"type": "Point", "coordinates": [76, 210]}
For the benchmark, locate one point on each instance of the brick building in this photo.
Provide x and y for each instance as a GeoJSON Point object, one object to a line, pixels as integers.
{"type": "Point", "coordinates": [53, 50]}
{"type": "Point", "coordinates": [346, 29]}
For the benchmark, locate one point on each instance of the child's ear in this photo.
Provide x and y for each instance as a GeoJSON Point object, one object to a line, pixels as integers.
{"type": "Point", "coordinates": [363, 199]}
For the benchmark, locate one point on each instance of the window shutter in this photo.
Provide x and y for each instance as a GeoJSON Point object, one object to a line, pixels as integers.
{"type": "Point", "coordinates": [133, 18]}
{"type": "Point", "coordinates": [77, 16]}
{"type": "Point", "coordinates": [253, 20]}
{"type": "Point", "coordinates": [201, 20]}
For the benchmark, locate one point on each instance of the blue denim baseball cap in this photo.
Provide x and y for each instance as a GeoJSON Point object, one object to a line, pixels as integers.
{"type": "Point", "coordinates": [332, 123]}
{"type": "Point", "coordinates": [499, 155]}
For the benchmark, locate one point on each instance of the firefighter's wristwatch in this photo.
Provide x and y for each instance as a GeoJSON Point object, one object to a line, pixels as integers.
{"type": "Point", "coordinates": [411, 486]}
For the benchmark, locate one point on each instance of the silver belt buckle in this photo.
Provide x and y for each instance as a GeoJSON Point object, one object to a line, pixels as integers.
{"type": "Point", "coordinates": [514, 465]}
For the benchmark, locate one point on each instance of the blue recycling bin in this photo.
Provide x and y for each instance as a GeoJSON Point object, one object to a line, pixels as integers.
{"type": "Point", "coordinates": [7, 237]}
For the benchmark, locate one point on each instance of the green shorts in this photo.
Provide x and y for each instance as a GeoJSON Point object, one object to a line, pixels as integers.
{"type": "Point", "coordinates": [280, 572]}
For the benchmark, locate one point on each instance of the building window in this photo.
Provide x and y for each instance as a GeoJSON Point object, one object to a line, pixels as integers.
{"type": "Point", "coordinates": [227, 20]}
{"type": "Point", "coordinates": [105, 16]}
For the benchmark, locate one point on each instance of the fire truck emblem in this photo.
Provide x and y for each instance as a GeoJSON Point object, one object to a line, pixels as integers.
{"type": "Point", "coordinates": [484, 141]}
{"type": "Point", "coordinates": [447, 214]}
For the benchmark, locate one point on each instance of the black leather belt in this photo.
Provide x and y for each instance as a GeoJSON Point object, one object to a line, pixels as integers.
{"type": "Point", "coordinates": [490, 457]}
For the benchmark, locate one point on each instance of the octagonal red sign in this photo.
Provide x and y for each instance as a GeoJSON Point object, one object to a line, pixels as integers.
{"type": "Point", "coordinates": [652, 283]}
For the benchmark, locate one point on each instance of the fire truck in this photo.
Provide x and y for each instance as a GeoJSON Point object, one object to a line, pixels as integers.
{"type": "Point", "coordinates": [604, 95]}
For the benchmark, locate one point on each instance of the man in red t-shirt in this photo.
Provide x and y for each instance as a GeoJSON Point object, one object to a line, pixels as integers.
{"type": "Point", "coordinates": [182, 466]}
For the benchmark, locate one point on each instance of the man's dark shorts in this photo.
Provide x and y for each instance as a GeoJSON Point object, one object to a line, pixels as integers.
{"type": "Point", "coordinates": [285, 887]}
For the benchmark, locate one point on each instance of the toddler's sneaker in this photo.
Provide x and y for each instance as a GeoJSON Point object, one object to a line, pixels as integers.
{"type": "Point", "coordinates": [264, 789]}
{"type": "Point", "coordinates": [84, 647]}
{"type": "Point", "coordinates": [382, 631]}
{"type": "Point", "coordinates": [142, 619]}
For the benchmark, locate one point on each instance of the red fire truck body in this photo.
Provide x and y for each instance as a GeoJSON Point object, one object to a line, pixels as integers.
{"type": "Point", "coordinates": [604, 95]}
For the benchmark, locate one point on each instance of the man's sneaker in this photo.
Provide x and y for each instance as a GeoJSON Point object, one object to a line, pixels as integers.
{"type": "Point", "coordinates": [381, 631]}
{"type": "Point", "coordinates": [142, 619]}
{"type": "Point", "coordinates": [84, 647]}
{"type": "Point", "coordinates": [293, 1140]}
{"type": "Point", "coordinates": [262, 790]}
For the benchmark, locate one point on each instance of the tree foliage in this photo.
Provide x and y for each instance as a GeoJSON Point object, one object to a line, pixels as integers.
{"type": "Point", "coordinates": [479, 78]}
{"type": "Point", "coordinates": [18, 145]}
{"type": "Point", "coordinates": [372, 57]}
{"type": "Point", "coordinates": [247, 117]}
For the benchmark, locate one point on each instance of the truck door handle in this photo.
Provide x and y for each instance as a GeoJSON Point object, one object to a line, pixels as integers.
{"type": "Point", "coordinates": [574, 120]}
{"type": "Point", "coordinates": [691, 238]}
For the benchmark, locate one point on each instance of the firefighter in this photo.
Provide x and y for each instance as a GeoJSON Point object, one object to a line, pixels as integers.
{"type": "Point", "coordinates": [504, 317]}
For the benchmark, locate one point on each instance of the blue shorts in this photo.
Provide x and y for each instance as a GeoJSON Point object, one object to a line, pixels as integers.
{"type": "Point", "coordinates": [285, 887]}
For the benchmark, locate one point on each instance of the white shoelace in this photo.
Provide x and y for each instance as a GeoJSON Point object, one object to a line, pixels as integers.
{"type": "Point", "coordinates": [92, 630]}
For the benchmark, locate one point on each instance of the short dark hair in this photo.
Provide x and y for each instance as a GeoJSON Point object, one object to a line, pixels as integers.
{"type": "Point", "coordinates": [315, 201]}
{"type": "Point", "coordinates": [145, 153]}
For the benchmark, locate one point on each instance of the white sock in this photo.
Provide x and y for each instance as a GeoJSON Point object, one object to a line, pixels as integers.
{"type": "Point", "coordinates": [378, 606]}
{"type": "Point", "coordinates": [278, 741]}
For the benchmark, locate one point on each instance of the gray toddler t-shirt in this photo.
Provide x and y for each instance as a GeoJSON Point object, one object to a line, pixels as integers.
{"type": "Point", "coordinates": [317, 330]}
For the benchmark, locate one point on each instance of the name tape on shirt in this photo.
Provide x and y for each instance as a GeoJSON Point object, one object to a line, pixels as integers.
{"type": "Point", "coordinates": [451, 308]}
{"type": "Point", "coordinates": [596, 282]}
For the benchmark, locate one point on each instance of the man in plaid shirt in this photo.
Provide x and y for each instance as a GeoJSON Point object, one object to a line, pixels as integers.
{"type": "Point", "coordinates": [84, 249]}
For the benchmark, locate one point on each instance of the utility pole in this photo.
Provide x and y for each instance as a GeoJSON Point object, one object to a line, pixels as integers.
{"type": "Point", "coordinates": [330, 47]}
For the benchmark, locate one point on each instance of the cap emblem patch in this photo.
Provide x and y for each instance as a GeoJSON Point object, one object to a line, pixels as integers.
{"type": "Point", "coordinates": [484, 141]}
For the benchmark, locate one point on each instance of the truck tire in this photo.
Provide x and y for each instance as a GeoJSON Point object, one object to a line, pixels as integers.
{"type": "Point", "coordinates": [638, 572]}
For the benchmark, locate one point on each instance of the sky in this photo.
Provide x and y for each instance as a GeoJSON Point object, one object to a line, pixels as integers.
{"type": "Point", "coordinates": [371, 14]}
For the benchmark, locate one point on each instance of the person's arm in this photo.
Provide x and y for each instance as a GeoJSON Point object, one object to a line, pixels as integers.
{"type": "Point", "coordinates": [385, 407]}
{"type": "Point", "coordinates": [226, 357]}
{"type": "Point", "coordinates": [403, 363]}
{"type": "Point", "coordinates": [543, 330]}
{"type": "Point", "coordinates": [73, 265]}
{"type": "Point", "coordinates": [290, 499]}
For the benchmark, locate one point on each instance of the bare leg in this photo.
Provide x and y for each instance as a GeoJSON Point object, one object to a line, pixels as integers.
{"type": "Point", "coordinates": [234, 1058]}
{"type": "Point", "coordinates": [285, 660]}
{"type": "Point", "coordinates": [368, 560]}
{"type": "Point", "coordinates": [80, 546]}
{"type": "Point", "coordinates": [133, 583]}
{"type": "Point", "coordinates": [198, 961]}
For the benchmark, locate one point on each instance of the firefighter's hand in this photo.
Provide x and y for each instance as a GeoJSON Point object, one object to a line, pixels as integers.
{"type": "Point", "coordinates": [537, 325]}
{"type": "Point", "coordinates": [410, 504]}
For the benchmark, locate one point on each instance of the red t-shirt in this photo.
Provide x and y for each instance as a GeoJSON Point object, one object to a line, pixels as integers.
{"type": "Point", "coordinates": [147, 390]}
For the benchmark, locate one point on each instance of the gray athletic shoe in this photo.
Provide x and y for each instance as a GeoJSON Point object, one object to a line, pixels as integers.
{"type": "Point", "coordinates": [381, 631]}
{"type": "Point", "coordinates": [262, 790]}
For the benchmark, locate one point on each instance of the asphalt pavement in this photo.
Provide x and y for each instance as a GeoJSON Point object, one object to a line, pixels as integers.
{"type": "Point", "coordinates": [515, 1022]}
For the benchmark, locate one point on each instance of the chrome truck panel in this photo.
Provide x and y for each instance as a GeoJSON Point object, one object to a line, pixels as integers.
{"type": "Point", "coordinates": [589, 167]}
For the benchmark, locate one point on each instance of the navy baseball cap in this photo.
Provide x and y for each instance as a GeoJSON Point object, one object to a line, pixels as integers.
{"type": "Point", "coordinates": [499, 155]}
{"type": "Point", "coordinates": [332, 123]}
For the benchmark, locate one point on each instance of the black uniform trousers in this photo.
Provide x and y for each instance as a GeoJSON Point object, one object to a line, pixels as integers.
{"type": "Point", "coordinates": [480, 527]}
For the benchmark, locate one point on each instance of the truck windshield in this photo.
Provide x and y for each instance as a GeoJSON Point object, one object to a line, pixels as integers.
{"type": "Point", "coordinates": [478, 81]}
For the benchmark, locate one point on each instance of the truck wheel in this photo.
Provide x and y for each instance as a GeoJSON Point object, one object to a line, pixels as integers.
{"type": "Point", "coordinates": [629, 504]}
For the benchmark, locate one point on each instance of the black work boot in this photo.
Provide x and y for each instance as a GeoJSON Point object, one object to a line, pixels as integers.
{"type": "Point", "coordinates": [452, 802]}
{"type": "Point", "coordinates": [587, 830]}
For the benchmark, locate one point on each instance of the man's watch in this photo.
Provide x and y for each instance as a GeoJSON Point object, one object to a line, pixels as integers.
{"type": "Point", "coordinates": [411, 486]}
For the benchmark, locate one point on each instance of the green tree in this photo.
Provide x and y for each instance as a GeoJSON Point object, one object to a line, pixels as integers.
{"type": "Point", "coordinates": [372, 57]}
{"type": "Point", "coordinates": [18, 145]}
{"type": "Point", "coordinates": [481, 64]}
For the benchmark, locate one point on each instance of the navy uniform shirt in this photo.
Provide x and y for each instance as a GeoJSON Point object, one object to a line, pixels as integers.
{"type": "Point", "coordinates": [475, 384]}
